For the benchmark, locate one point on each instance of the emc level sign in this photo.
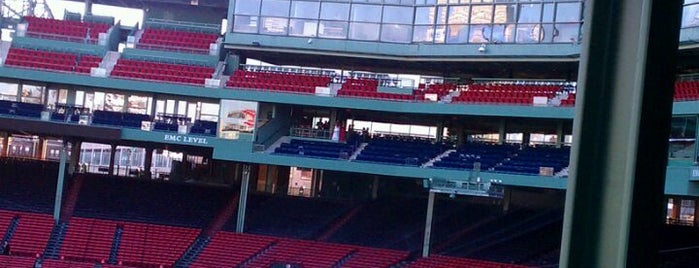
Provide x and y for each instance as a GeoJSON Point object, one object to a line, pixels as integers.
{"type": "Point", "coordinates": [185, 139]}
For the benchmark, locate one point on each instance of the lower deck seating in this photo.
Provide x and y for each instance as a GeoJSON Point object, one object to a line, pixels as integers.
{"type": "Point", "coordinates": [486, 154]}
{"type": "Point", "coordinates": [438, 261]}
{"type": "Point", "coordinates": [307, 254]}
{"type": "Point", "coordinates": [154, 244]}
{"type": "Point", "coordinates": [20, 108]}
{"type": "Point", "coordinates": [402, 151]}
{"type": "Point", "coordinates": [32, 234]}
{"type": "Point", "coordinates": [88, 239]}
{"type": "Point", "coordinates": [316, 149]}
{"type": "Point", "coordinates": [530, 159]}
{"type": "Point", "coordinates": [168, 72]}
{"type": "Point", "coordinates": [39, 59]}
{"type": "Point", "coordinates": [373, 257]}
{"type": "Point", "coordinates": [231, 249]}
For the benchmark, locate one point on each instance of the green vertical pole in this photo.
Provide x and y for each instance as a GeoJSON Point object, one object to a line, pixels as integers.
{"type": "Point", "coordinates": [59, 183]}
{"type": "Point", "coordinates": [244, 185]}
{"type": "Point", "coordinates": [615, 192]}
{"type": "Point", "coordinates": [428, 225]}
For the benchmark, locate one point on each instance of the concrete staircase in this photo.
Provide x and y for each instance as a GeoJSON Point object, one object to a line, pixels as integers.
{"type": "Point", "coordinates": [359, 150]}
{"type": "Point", "coordinates": [437, 158]}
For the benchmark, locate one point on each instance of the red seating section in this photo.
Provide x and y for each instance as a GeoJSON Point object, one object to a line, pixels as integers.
{"type": "Point", "coordinates": [506, 93]}
{"type": "Point", "coordinates": [86, 63]}
{"type": "Point", "coordinates": [440, 89]}
{"type": "Point", "coordinates": [570, 101]}
{"type": "Point", "coordinates": [687, 90]}
{"type": "Point", "coordinates": [176, 40]}
{"type": "Point", "coordinates": [437, 261]}
{"type": "Point", "coordinates": [39, 59]}
{"type": "Point", "coordinates": [277, 81]}
{"type": "Point", "coordinates": [88, 239]}
{"type": "Point", "coordinates": [169, 72]}
{"type": "Point", "coordinates": [231, 248]}
{"type": "Point", "coordinates": [66, 30]}
{"type": "Point", "coordinates": [13, 261]}
{"type": "Point", "coordinates": [154, 244]}
{"type": "Point", "coordinates": [308, 254]}
{"type": "Point", "coordinates": [32, 234]}
{"type": "Point", "coordinates": [367, 88]}
{"type": "Point", "coordinates": [374, 257]}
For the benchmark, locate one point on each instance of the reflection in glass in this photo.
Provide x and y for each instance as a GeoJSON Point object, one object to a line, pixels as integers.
{"type": "Point", "coordinates": [567, 33]}
{"type": "Point", "coordinates": [299, 27]}
{"type": "Point", "coordinates": [424, 15]}
{"type": "Point", "coordinates": [481, 14]}
{"type": "Point", "coordinates": [529, 13]}
{"type": "Point", "coordinates": [442, 15]}
{"type": "Point", "coordinates": [457, 34]}
{"type": "Point", "coordinates": [366, 13]}
{"type": "Point", "coordinates": [245, 24]}
{"type": "Point", "coordinates": [690, 16]}
{"type": "Point", "coordinates": [305, 10]}
{"type": "Point", "coordinates": [503, 33]}
{"type": "Point", "coordinates": [529, 33]}
{"type": "Point", "coordinates": [334, 11]}
{"type": "Point", "coordinates": [480, 33]}
{"type": "Point", "coordinates": [398, 15]}
{"type": "Point", "coordinates": [568, 12]}
{"type": "Point", "coordinates": [332, 29]}
{"type": "Point", "coordinates": [504, 14]}
{"type": "Point", "coordinates": [548, 32]}
{"type": "Point", "coordinates": [277, 8]}
{"type": "Point", "coordinates": [32, 93]}
{"type": "Point", "coordinates": [275, 26]}
{"type": "Point", "coordinates": [114, 102]}
{"type": "Point", "coordinates": [423, 34]}
{"type": "Point", "coordinates": [458, 14]}
{"type": "Point", "coordinates": [395, 33]}
{"type": "Point", "coordinates": [247, 7]}
{"type": "Point", "coordinates": [683, 138]}
{"type": "Point", "coordinates": [364, 31]}
{"type": "Point", "coordinates": [440, 34]}
{"type": "Point", "coordinates": [547, 13]}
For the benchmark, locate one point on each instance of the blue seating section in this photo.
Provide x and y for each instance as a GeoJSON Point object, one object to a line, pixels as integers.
{"type": "Point", "coordinates": [119, 119]}
{"type": "Point", "coordinates": [163, 126]}
{"type": "Point", "coordinates": [21, 109]}
{"type": "Point", "coordinates": [488, 155]}
{"type": "Point", "coordinates": [204, 127]}
{"type": "Point", "coordinates": [316, 148]}
{"type": "Point", "coordinates": [530, 159]}
{"type": "Point", "coordinates": [399, 150]}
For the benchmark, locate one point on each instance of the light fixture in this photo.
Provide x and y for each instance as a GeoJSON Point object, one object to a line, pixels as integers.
{"type": "Point", "coordinates": [482, 48]}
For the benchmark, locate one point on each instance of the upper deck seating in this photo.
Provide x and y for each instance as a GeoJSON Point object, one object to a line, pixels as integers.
{"type": "Point", "coordinates": [86, 63]}
{"type": "Point", "coordinates": [289, 82]}
{"type": "Point", "coordinates": [506, 93]}
{"type": "Point", "coordinates": [404, 151]}
{"type": "Point", "coordinates": [65, 30]}
{"type": "Point", "coordinates": [168, 72]}
{"type": "Point", "coordinates": [39, 59]}
{"type": "Point", "coordinates": [316, 148]}
{"type": "Point", "coordinates": [163, 39]}
{"type": "Point", "coordinates": [686, 90]}
{"type": "Point", "coordinates": [440, 90]}
{"type": "Point", "coordinates": [368, 88]}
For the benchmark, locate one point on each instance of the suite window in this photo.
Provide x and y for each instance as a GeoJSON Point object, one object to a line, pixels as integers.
{"type": "Point", "coordinates": [529, 13]}
{"type": "Point", "coordinates": [334, 11]}
{"type": "Point", "coordinates": [503, 33]}
{"type": "Point", "coordinates": [303, 27]}
{"type": "Point", "coordinates": [275, 26]}
{"type": "Point", "coordinates": [690, 16]}
{"type": "Point", "coordinates": [247, 7]}
{"type": "Point", "coordinates": [245, 24]}
{"type": "Point", "coordinates": [423, 33]}
{"type": "Point", "coordinates": [529, 33]}
{"type": "Point", "coordinates": [333, 29]}
{"type": "Point", "coordinates": [366, 13]}
{"type": "Point", "coordinates": [397, 15]}
{"type": "Point", "coordinates": [8, 91]}
{"type": "Point", "coordinates": [395, 33]}
{"type": "Point", "coordinates": [305, 10]}
{"type": "Point", "coordinates": [32, 93]}
{"type": "Point", "coordinates": [275, 8]}
{"type": "Point", "coordinates": [547, 13]}
{"type": "Point", "coordinates": [458, 14]}
{"type": "Point", "coordinates": [568, 12]}
{"type": "Point", "coordinates": [364, 31]}
{"type": "Point", "coordinates": [567, 33]}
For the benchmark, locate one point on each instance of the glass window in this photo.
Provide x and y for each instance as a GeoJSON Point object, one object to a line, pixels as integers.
{"type": "Point", "coordinates": [567, 33]}
{"type": "Point", "coordinates": [277, 26]}
{"type": "Point", "coordinates": [8, 89]}
{"type": "Point", "coordinates": [547, 13]}
{"type": "Point", "coordinates": [504, 14]}
{"type": "Point", "coordinates": [547, 31]}
{"type": "Point", "coordinates": [305, 10]}
{"type": "Point", "coordinates": [480, 33]}
{"type": "Point", "coordinates": [334, 11]}
{"type": "Point", "coordinates": [396, 14]}
{"type": "Point", "coordinates": [690, 16]}
{"type": "Point", "coordinates": [457, 34]}
{"type": "Point", "coordinates": [138, 104]}
{"type": "Point", "coordinates": [277, 8]}
{"type": "Point", "coordinates": [299, 27]}
{"type": "Point", "coordinates": [396, 33]}
{"type": "Point", "coordinates": [423, 34]}
{"type": "Point", "coordinates": [481, 14]}
{"type": "Point", "coordinates": [114, 102]}
{"type": "Point", "coordinates": [32, 93]}
{"type": "Point", "coordinates": [333, 29]}
{"type": "Point", "coordinates": [440, 34]}
{"type": "Point", "coordinates": [568, 12]}
{"type": "Point", "coordinates": [247, 7]}
{"type": "Point", "coordinates": [366, 13]}
{"type": "Point", "coordinates": [424, 15]}
{"type": "Point", "coordinates": [364, 31]}
{"type": "Point", "coordinates": [245, 24]}
{"type": "Point", "coordinates": [458, 14]}
{"type": "Point", "coordinates": [503, 33]}
{"type": "Point", "coordinates": [442, 15]}
{"type": "Point", "coordinates": [528, 33]}
{"type": "Point", "coordinates": [529, 13]}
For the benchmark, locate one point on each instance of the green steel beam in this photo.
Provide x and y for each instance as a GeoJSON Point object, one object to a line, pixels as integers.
{"type": "Point", "coordinates": [615, 194]}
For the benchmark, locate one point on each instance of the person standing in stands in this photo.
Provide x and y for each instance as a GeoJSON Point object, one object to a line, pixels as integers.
{"type": "Point", "coordinates": [5, 249]}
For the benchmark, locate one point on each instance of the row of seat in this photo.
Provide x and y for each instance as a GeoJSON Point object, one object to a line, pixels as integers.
{"type": "Point", "coordinates": [316, 149]}
{"type": "Point", "coordinates": [174, 73]}
{"type": "Point", "coordinates": [153, 38]}
{"type": "Point", "coordinates": [49, 60]}
{"type": "Point", "coordinates": [65, 29]}
{"type": "Point", "coordinates": [439, 261]}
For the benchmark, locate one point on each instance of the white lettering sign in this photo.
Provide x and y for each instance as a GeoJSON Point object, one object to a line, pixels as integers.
{"type": "Point", "coordinates": [695, 173]}
{"type": "Point", "coordinates": [185, 139]}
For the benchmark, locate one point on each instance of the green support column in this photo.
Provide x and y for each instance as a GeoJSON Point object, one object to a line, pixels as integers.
{"type": "Point", "coordinates": [428, 225]}
{"type": "Point", "coordinates": [112, 160]}
{"type": "Point", "coordinates": [88, 7]}
{"type": "Point", "coordinates": [244, 185]}
{"type": "Point", "coordinates": [59, 184]}
{"type": "Point", "coordinates": [502, 132]}
{"type": "Point", "coordinates": [615, 192]}
{"type": "Point", "coordinates": [560, 135]}
{"type": "Point", "coordinates": [696, 142]}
